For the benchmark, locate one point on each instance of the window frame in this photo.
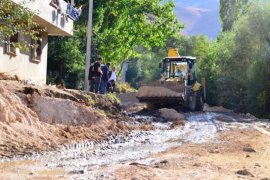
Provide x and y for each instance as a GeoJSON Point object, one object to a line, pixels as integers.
{"type": "Point", "coordinates": [9, 48]}
{"type": "Point", "coordinates": [35, 45]}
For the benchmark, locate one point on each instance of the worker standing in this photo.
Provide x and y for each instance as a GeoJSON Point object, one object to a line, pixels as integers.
{"type": "Point", "coordinates": [112, 80]}
{"type": "Point", "coordinates": [97, 73]}
{"type": "Point", "coordinates": [104, 78]}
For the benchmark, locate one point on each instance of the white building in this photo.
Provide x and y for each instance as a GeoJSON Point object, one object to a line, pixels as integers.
{"type": "Point", "coordinates": [32, 65]}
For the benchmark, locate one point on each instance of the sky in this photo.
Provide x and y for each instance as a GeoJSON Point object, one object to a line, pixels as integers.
{"type": "Point", "coordinates": [199, 16]}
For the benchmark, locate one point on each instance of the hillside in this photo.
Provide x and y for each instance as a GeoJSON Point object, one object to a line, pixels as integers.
{"type": "Point", "coordinates": [199, 17]}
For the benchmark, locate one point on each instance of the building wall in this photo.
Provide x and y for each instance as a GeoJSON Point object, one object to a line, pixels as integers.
{"type": "Point", "coordinates": [22, 66]}
{"type": "Point", "coordinates": [57, 23]}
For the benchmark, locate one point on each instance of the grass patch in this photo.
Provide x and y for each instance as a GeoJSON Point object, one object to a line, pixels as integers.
{"type": "Point", "coordinates": [113, 98]}
{"type": "Point", "coordinates": [101, 112]}
{"type": "Point", "coordinates": [91, 101]}
{"type": "Point", "coordinates": [124, 88]}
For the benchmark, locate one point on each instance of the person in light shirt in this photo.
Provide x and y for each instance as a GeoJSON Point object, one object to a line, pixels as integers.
{"type": "Point", "coordinates": [112, 80]}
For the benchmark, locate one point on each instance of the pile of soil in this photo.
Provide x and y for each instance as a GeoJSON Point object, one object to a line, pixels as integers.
{"type": "Point", "coordinates": [170, 115]}
{"type": "Point", "coordinates": [215, 108]}
{"type": "Point", "coordinates": [130, 103]}
{"type": "Point", "coordinates": [20, 129]}
{"type": "Point", "coordinates": [34, 118]}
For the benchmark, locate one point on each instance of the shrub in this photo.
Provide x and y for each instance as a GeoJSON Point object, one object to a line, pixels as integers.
{"type": "Point", "coordinates": [124, 88]}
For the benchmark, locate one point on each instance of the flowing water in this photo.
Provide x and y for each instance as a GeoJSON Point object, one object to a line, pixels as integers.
{"type": "Point", "coordinates": [85, 160]}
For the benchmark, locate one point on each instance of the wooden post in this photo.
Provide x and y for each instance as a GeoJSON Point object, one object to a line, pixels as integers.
{"type": "Point", "coordinates": [88, 47]}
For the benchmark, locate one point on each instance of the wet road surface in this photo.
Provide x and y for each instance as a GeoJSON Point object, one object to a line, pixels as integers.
{"type": "Point", "coordinates": [86, 160]}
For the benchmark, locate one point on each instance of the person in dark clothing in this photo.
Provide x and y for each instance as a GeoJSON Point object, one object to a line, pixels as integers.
{"type": "Point", "coordinates": [97, 73]}
{"type": "Point", "coordinates": [104, 78]}
{"type": "Point", "coordinates": [90, 79]}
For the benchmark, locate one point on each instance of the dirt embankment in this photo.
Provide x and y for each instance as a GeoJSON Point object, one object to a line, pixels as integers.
{"type": "Point", "coordinates": [36, 118]}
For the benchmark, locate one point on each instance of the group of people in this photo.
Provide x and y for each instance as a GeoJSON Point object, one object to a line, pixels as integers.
{"type": "Point", "coordinates": [101, 78]}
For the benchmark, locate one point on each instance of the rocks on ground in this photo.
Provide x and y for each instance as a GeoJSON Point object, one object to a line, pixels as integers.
{"type": "Point", "coordinates": [215, 108]}
{"type": "Point", "coordinates": [244, 172]}
{"type": "Point", "coordinates": [130, 103]}
{"type": "Point", "coordinates": [170, 115]}
{"type": "Point", "coordinates": [249, 149]}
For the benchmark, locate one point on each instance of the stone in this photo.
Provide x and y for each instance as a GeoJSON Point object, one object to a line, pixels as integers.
{"type": "Point", "coordinates": [121, 125]}
{"type": "Point", "coordinates": [244, 172]}
{"type": "Point", "coordinates": [164, 162]}
{"type": "Point", "coordinates": [249, 149]}
{"type": "Point", "coordinates": [170, 114]}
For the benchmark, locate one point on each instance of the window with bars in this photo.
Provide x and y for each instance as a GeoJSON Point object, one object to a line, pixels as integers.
{"type": "Point", "coordinates": [36, 50]}
{"type": "Point", "coordinates": [10, 49]}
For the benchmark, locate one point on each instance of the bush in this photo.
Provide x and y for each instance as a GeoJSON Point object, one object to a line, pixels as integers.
{"type": "Point", "coordinates": [124, 88]}
{"type": "Point", "coordinates": [113, 98]}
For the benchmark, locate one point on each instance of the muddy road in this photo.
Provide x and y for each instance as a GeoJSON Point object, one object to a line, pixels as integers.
{"type": "Point", "coordinates": [162, 152]}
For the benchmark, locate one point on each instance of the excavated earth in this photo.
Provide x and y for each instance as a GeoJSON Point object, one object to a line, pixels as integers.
{"type": "Point", "coordinates": [37, 119]}
{"type": "Point", "coordinates": [64, 134]}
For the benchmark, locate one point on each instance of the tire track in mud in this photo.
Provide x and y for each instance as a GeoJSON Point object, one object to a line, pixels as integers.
{"type": "Point", "coordinates": [85, 159]}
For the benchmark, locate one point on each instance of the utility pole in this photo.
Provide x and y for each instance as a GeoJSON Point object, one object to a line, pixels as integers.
{"type": "Point", "coordinates": [88, 47]}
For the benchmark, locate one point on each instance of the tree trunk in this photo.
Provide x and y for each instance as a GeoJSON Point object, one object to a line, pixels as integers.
{"type": "Point", "coordinates": [61, 71]}
{"type": "Point", "coordinates": [121, 68]}
{"type": "Point", "coordinates": [77, 81]}
{"type": "Point", "coordinates": [122, 64]}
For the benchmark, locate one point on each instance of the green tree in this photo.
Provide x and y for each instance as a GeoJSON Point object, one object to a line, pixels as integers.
{"type": "Point", "coordinates": [230, 11]}
{"type": "Point", "coordinates": [119, 27]}
{"type": "Point", "coordinates": [126, 24]}
{"type": "Point", "coordinates": [16, 18]}
{"type": "Point", "coordinates": [66, 58]}
{"type": "Point", "coordinates": [243, 60]}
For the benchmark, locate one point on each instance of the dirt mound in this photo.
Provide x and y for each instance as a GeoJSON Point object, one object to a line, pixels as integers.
{"type": "Point", "coordinates": [130, 103]}
{"type": "Point", "coordinates": [20, 129]}
{"type": "Point", "coordinates": [215, 108]}
{"type": "Point", "coordinates": [62, 111]}
{"type": "Point", "coordinates": [6, 76]}
{"type": "Point", "coordinates": [169, 114]}
{"type": "Point", "coordinates": [128, 98]}
{"type": "Point", "coordinates": [96, 101]}
{"type": "Point", "coordinates": [33, 119]}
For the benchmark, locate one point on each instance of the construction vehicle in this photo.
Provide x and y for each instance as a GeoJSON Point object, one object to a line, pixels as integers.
{"type": "Point", "coordinates": [177, 86]}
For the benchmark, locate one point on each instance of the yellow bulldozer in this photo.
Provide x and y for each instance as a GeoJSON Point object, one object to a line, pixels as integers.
{"type": "Point", "coordinates": [177, 86]}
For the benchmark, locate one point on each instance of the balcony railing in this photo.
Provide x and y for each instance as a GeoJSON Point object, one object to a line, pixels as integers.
{"type": "Point", "coordinates": [55, 15]}
{"type": "Point", "coordinates": [67, 9]}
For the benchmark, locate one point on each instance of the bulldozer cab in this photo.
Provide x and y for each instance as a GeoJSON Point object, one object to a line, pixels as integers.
{"type": "Point", "coordinates": [179, 68]}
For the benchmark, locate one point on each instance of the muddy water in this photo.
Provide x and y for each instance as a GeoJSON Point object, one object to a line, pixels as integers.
{"type": "Point", "coordinates": [87, 160]}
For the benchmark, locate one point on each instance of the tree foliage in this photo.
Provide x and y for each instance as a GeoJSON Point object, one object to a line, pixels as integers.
{"type": "Point", "coordinates": [16, 18]}
{"type": "Point", "coordinates": [125, 24]}
{"type": "Point", "coordinates": [67, 58]}
{"type": "Point", "coordinates": [243, 61]}
{"type": "Point", "coordinates": [230, 11]}
{"type": "Point", "coordinates": [236, 65]}
{"type": "Point", "coordinates": [119, 27]}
